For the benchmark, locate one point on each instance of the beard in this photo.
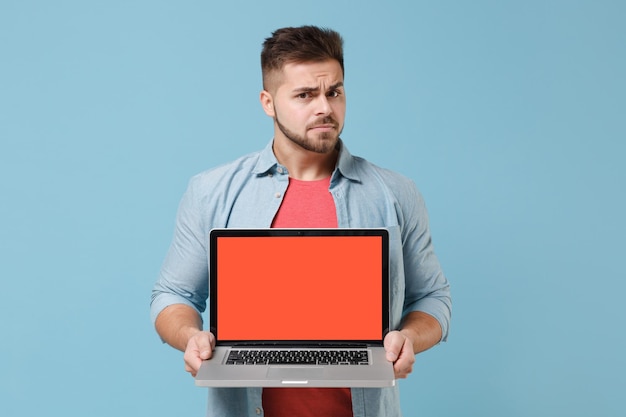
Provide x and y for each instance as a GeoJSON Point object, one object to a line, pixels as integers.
{"type": "Point", "coordinates": [325, 142]}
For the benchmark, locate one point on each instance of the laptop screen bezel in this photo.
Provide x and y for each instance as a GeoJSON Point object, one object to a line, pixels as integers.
{"type": "Point", "coordinates": [215, 234]}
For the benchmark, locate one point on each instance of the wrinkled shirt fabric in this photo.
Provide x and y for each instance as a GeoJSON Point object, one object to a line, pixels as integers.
{"type": "Point", "coordinates": [247, 193]}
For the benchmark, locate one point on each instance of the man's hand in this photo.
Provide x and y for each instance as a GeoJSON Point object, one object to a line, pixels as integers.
{"type": "Point", "coordinates": [180, 326]}
{"type": "Point", "coordinates": [419, 332]}
{"type": "Point", "coordinates": [399, 350]}
{"type": "Point", "coordinates": [199, 348]}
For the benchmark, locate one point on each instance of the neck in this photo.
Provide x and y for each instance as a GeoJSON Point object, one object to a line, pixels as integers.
{"type": "Point", "coordinates": [302, 164]}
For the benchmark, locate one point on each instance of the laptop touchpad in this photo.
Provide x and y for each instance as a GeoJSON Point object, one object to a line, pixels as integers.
{"type": "Point", "coordinates": [303, 373]}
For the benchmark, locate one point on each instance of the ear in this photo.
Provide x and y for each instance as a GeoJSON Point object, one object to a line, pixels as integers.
{"type": "Point", "coordinates": [267, 102]}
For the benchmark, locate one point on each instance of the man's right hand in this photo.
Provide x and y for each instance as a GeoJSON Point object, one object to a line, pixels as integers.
{"type": "Point", "coordinates": [179, 325]}
{"type": "Point", "coordinates": [199, 347]}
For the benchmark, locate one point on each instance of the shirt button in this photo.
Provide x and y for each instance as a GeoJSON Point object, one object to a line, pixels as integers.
{"type": "Point", "coordinates": [277, 195]}
{"type": "Point", "coordinates": [258, 411]}
{"type": "Point", "coordinates": [270, 175]}
{"type": "Point", "coordinates": [279, 170]}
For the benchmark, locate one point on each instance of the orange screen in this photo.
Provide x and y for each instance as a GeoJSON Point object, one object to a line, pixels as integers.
{"type": "Point", "coordinates": [299, 288]}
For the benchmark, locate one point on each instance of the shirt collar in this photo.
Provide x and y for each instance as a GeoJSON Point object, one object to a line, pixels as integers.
{"type": "Point", "coordinates": [267, 162]}
{"type": "Point", "coordinates": [345, 163]}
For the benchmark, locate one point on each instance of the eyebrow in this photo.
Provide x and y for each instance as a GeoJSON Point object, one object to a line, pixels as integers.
{"type": "Point", "coordinates": [317, 89]}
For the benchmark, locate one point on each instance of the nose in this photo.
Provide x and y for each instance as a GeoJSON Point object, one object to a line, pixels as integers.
{"type": "Point", "coordinates": [323, 107]}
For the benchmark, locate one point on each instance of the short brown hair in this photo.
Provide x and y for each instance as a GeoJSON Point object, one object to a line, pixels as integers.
{"type": "Point", "coordinates": [297, 45]}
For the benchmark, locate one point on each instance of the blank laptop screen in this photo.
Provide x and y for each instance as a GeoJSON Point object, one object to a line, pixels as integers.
{"type": "Point", "coordinates": [282, 288]}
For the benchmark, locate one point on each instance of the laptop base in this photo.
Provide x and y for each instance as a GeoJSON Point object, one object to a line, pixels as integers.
{"type": "Point", "coordinates": [215, 373]}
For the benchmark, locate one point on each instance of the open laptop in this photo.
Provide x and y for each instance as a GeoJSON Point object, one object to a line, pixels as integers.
{"type": "Point", "coordinates": [298, 308]}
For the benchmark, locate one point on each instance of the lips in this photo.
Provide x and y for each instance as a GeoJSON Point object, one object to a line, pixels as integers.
{"type": "Point", "coordinates": [324, 127]}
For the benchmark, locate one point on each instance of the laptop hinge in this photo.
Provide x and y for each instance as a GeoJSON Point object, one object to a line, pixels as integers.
{"type": "Point", "coordinates": [292, 344]}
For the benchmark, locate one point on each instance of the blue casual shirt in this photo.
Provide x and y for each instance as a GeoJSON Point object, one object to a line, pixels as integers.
{"type": "Point", "coordinates": [247, 193]}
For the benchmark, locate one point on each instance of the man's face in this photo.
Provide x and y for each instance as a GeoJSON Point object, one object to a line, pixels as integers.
{"type": "Point", "coordinates": [308, 104]}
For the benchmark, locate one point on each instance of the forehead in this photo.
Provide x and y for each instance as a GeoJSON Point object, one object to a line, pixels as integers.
{"type": "Point", "coordinates": [310, 74]}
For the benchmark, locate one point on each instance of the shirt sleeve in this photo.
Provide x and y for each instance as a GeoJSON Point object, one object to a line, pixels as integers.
{"type": "Point", "coordinates": [426, 287]}
{"type": "Point", "coordinates": [184, 274]}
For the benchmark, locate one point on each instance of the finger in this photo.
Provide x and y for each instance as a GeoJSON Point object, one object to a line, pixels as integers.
{"type": "Point", "coordinates": [191, 370]}
{"type": "Point", "coordinates": [393, 345]}
{"type": "Point", "coordinates": [192, 362]}
{"type": "Point", "coordinates": [402, 368]}
{"type": "Point", "coordinates": [404, 365]}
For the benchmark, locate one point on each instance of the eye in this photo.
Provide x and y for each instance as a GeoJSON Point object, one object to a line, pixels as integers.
{"type": "Point", "coordinates": [333, 93]}
{"type": "Point", "coordinates": [304, 95]}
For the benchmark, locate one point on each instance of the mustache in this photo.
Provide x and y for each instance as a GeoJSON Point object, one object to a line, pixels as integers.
{"type": "Point", "coordinates": [327, 120]}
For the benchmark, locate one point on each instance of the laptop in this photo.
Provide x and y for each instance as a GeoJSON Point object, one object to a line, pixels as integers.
{"type": "Point", "coordinates": [298, 308]}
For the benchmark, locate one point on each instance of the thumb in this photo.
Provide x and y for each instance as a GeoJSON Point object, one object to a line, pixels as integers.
{"type": "Point", "coordinates": [393, 345]}
{"type": "Point", "coordinates": [204, 344]}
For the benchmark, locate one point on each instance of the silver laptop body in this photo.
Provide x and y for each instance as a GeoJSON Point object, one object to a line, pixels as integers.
{"type": "Point", "coordinates": [298, 308]}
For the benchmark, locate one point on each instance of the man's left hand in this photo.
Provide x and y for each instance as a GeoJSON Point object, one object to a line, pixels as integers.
{"type": "Point", "coordinates": [399, 350]}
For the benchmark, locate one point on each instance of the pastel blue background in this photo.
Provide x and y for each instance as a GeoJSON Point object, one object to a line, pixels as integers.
{"type": "Point", "coordinates": [508, 115]}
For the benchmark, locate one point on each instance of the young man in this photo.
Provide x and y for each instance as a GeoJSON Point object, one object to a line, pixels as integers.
{"type": "Point", "coordinates": [305, 177]}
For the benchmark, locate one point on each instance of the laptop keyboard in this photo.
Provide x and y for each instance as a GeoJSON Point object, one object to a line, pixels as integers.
{"type": "Point", "coordinates": [298, 357]}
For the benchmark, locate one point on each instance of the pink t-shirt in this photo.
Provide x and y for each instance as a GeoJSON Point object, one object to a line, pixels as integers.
{"type": "Point", "coordinates": [307, 204]}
